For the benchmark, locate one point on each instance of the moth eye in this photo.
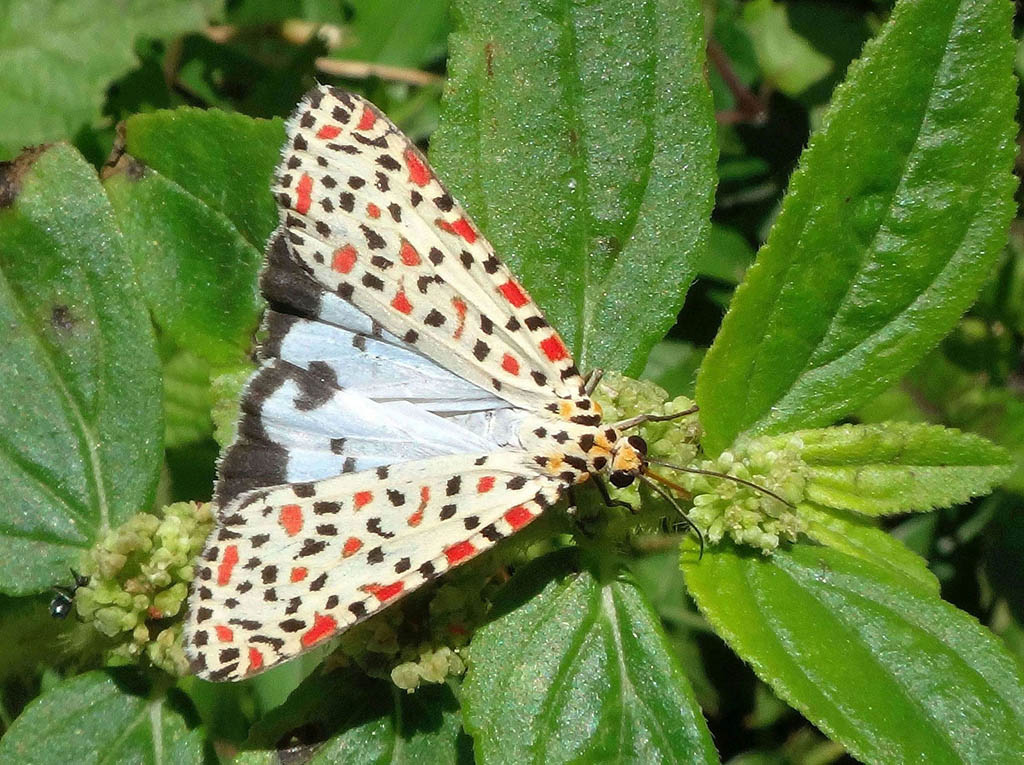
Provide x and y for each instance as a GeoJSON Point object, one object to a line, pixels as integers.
{"type": "Point", "coordinates": [621, 479]}
{"type": "Point", "coordinates": [638, 443]}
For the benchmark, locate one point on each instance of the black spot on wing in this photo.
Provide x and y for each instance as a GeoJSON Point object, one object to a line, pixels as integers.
{"type": "Point", "coordinates": [255, 460]}
{"type": "Point", "coordinates": [287, 284]}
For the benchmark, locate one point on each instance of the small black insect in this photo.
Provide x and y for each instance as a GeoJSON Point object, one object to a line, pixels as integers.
{"type": "Point", "coordinates": [64, 600]}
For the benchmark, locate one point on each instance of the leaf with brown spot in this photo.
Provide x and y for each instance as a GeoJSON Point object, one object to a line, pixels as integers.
{"type": "Point", "coordinates": [80, 417]}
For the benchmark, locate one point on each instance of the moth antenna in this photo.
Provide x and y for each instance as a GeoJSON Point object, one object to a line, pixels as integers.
{"type": "Point", "coordinates": [640, 419]}
{"type": "Point", "coordinates": [716, 474]}
{"type": "Point", "coordinates": [671, 500]}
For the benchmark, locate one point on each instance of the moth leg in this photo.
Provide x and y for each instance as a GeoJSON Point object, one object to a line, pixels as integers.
{"type": "Point", "coordinates": [573, 506]}
{"type": "Point", "coordinates": [608, 499]}
{"type": "Point", "coordinates": [590, 385]}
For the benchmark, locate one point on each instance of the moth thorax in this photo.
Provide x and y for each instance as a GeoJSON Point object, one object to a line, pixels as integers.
{"type": "Point", "coordinates": [628, 459]}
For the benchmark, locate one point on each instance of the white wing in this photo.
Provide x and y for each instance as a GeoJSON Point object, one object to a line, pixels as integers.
{"type": "Point", "coordinates": [291, 566]}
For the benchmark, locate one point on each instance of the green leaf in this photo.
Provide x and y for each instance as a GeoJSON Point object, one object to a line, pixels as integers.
{"type": "Point", "coordinates": [581, 138]}
{"type": "Point", "coordinates": [663, 585]}
{"type": "Point", "coordinates": [998, 413]}
{"type": "Point", "coordinates": [260, 12]}
{"type": "Point", "coordinates": [396, 32]}
{"type": "Point", "coordinates": [187, 399]}
{"type": "Point", "coordinates": [889, 228]}
{"type": "Point", "coordinates": [858, 536]}
{"type": "Point", "coordinates": [100, 717]}
{"type": "Point", "coordinates": [897, 466]}
{"type": "Point", "coordinates": [837, 31]}
{"type": "Point", "coordinates": [196, 214]}
{"type": "Point", "coordinates": [673, 364]}
{"type": "Point", "coordinates": [938, 389]}
{"type": "Point", "coordinates": [578, 671]}
{"type": "Point", "coordinates": [787, 60]}
{"type": "Point", "coordinates": [729, 255]}
{"type": "Point", "coordinates": [422, 727]}
{"type": "Point", "coordinates": [80, 420]}
{"type": "Point", "coordinates": [57, 59]}
{"type": "Point", "coordinates": [224, 160]}
{"type": "Point", "coordinates": [368, 721]}
{"type": "Point", "coordinates": [880, 665]}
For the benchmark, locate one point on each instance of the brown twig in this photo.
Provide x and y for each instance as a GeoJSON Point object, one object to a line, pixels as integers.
{"type": "Point", "coordinates": [749, 107]}
{"type": "Point", "coordinates": [360, 70]}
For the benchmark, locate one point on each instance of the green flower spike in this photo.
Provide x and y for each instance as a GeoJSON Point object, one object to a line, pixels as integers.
{"type": "Point", "coordinates": [418, 640]}
{"type": "Point", "coordinates": [138, 578]}
{"type": "Point", "coordinates": [719, 507]}
{"type": "Point", "coordinates": [748, 516]}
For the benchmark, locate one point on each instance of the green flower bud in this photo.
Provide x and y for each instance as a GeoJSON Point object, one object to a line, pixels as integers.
{"type": "Point", "coordinates": [138, 575]}
{"type": "Point", "coordinates": [746, 514]}
{"type": "Point", "coordinates": [433, 666]}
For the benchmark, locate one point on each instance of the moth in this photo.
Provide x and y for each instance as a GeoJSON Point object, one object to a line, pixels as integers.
{"type": "Point", "coordinates": [412, 409]}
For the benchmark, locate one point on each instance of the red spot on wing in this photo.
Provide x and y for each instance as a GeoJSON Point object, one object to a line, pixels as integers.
{"type": "Point", "coordinates": [418, 172]}
{"type": "Point", "coordinates": [514, 293]}
{"type": "Point", "coordinates": [351, 547]}
{"type": "Point", "coordinates": [323, 626]}
{"type": "Point", "coordinates": [367, 120]}
{"type": "Point", "coordinates": [460, 227]}
{"type": "Point", "coordinates": [554, 348]}
{"type": "Point", "coordinates": [372, 210]}
{"type": "Point", "coordinates": [485, 484]}
{"type": "Point", "coordinates": [459, 552]}
{"type": "Point", "coordinates": [463, 229]}
{"type": "Point", "coordinates": [417, 517]}
{"type": "Point", "coordinates": [299, 573]}
{"type": "Point", "coordinates": [362, 498]}
{"type": "Point", "coordinates": [227, 563]}
{"type": "Point", "coordinates": [460, 309]}
{"type": "Point", "coordinates": [509, 364]}
{"type": "Point", "coordinates": [383, 592]}
{"type": "Point", "coordinates": [518, 517]}
{"type": "Point", "coordinates": [224, 634]}
{"type": "Point", "coordinates": [401, 303]}
{"type": "Point", "coordinates": [409, 255]}
{"type": "Point", "coordinates": [291, 519]}
{"type": "Point", "coordinates": [255, 659]}
{"type": "Point", "coordinates": [304, 194]}
{"type": "Point", "coordinates": [328, 132]}
{"type": "Point", "coordinates": [344, 258]}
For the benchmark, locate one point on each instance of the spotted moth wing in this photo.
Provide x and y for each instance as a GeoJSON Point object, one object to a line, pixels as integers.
{"type": "Point", "coordinates": [380, 440]}
{"type": "Point", "coordinates": [367, 218]}
{"type": "Point", "coordinates": [291, 566]}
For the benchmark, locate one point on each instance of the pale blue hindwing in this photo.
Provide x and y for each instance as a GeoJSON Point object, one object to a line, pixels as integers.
{"type": "Point", "coordinates": [350, 431]}
{"type": "Point", "coordinates": [338, 394]}
{"type": "Point", "coordinates": [381, 368]}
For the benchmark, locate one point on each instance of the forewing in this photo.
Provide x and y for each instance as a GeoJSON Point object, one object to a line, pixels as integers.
{"type": "Point", "coordinates": [307, 325]}
{"type": "Point", "coordinates": [291, 566]}
{"type": "Point", "coordinates": [365, 216]}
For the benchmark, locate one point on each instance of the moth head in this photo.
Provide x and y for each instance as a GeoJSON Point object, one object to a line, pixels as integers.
{"type": "Point", "coordinates": [629, 458]}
